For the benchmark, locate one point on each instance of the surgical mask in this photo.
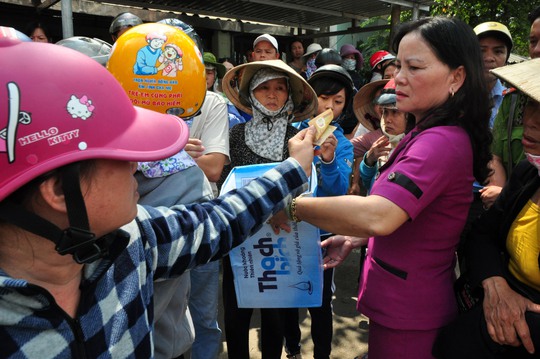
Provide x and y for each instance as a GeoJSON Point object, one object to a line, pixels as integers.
{"type": "Point", "coordinates": [393, 139]}
{"type": "Point", "coordinates": [534, 160]}
{"type": "Point", "coordinates": [349, 64]}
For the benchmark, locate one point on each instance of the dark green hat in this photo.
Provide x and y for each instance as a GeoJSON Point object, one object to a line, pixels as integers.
{"type": "Point", "coordinates": [210, 59]}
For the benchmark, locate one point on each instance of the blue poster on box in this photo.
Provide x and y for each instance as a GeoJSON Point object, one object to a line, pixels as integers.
{"type": "Point", "coordinates": [276, 271]}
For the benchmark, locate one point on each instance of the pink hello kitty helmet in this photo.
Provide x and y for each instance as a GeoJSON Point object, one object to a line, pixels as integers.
{"type": "Point", "coordinates": [68, 109]}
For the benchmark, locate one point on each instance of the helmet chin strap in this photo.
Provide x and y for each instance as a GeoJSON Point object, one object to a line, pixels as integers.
{"type": "Point", "coordinates": [77, 239]}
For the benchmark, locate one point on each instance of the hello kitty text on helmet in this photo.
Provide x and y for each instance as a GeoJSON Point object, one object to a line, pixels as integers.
{"type": "Point", "coordinates": [73, 111]}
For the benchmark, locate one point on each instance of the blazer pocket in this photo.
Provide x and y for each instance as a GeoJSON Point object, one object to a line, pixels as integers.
{"type": "Point", "coordinates": [391, 269]}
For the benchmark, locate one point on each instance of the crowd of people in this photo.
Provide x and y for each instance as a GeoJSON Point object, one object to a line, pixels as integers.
{"type": "Point", "coordinates": [113, 228]}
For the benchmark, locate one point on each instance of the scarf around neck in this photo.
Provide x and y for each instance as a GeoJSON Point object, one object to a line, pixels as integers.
{"type": "Point", "coordinates": [265, 133]}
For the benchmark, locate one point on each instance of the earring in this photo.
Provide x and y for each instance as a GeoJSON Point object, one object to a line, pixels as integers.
{"type": "Point", "coordinates": [452, 92]}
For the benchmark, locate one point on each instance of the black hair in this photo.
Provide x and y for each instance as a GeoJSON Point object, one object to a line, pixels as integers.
{"type": "Point", "coordinates": [533, 15]}
{"type": "Point", "coordinates": [293, 40]}
{"type": "Point", "coordinates": [228, 59]}
{"type": "Point", "coordinates": [387, 64]}
{"type": "Point", "coordinates": [455, 44]}
{"type": "Point", "coordinates": [329, 86]}
{"type": "Point", "coordinates": [30, 27]}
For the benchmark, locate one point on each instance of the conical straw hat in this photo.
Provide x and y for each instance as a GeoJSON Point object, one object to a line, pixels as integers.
{"type": "Point", "coordinates": [523, 76]}
{"type": "Point", "coordinates": [236, 88]}
{"type": "Point", "coordinates": [363, 105]}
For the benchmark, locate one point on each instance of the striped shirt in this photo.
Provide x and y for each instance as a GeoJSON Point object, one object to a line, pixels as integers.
{"type": "Point", "coordinates": [115, 313]}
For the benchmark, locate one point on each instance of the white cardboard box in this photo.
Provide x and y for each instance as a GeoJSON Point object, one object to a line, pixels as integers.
{"type": "Point", "coordinates": [276, 271]}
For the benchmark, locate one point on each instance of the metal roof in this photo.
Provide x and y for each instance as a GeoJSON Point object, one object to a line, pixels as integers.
{"type": "Point", "coordinates": [315, 15]}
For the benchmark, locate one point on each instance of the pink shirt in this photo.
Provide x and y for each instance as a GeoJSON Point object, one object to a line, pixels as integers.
{"type": "Point", "coordinates": [362, 144]}
{"type": "Point", "coordinates": [408, 275]}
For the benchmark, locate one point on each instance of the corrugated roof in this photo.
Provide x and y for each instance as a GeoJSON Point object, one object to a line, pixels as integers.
{"type": "Point", "coordinates": [306, 14]}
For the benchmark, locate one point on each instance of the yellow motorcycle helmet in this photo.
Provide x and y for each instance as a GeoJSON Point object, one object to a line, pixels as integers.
{"type": "Point", "coordinates": [161, 69]}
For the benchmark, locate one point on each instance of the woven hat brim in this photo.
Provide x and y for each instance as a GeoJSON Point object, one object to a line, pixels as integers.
{"type": "Point", "coordinates": [236, 88]}
{"type": "Point", "coordinates": [522, 76]}
{"type": "Point", "coordinates": [363, 102]}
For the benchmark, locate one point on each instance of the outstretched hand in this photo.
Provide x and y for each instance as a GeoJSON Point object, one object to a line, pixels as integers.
{"type": "Point", "coordinates": [301, 148]}
{"type": "Point", "coordinates": [338, 248]}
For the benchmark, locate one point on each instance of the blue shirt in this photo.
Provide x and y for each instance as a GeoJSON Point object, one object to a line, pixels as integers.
{"type": "Point", "coordinates": [146, 61]}
{"type": "Point", "coordinates": [333, 178]}
{"type": "Point", "coordinates": [497, 97]}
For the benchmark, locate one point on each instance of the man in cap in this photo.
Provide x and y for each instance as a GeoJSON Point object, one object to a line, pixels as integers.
{"type": "Point", "coordinates": [214, 70]}
{"type": "Point", "coordinates": [496, 44]}
{"type": "Point", "coordinates": [311, 53]}
{"type": "Point", "coordinates": [265, 47]}
{"type": "Point", "coordinates": [508, 126]}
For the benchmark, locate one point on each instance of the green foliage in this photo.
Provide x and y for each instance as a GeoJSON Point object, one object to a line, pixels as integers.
{"type": "Point", "coordinates": [379, 40]}
{"type": "Point", "coordinates": [512, 13]}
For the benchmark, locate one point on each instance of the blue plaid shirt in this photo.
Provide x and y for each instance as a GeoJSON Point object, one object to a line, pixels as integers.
{"type": "Point", "coordinates": [115, 313]}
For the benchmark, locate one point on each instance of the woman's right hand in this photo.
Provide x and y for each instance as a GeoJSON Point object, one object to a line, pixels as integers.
{"type": "Point", "coordinates": [338, 248]}
{"type": "Point", "coordinates": [381, 147]}
{"type": "Point", "coordinates": [504, 310]}
{"type": "Point", "coordinates": [301, 148]}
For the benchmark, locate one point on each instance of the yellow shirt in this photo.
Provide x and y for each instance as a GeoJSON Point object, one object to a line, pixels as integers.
{"type": "Point", "coordinates": [523, 245]}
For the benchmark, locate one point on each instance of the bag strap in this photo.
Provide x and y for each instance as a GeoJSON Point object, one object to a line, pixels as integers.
{"type": "Point", "coordinates": [509, 127]}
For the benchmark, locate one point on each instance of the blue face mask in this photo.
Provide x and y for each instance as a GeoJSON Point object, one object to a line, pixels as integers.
{"type": "Point", "coordinates": [349, 64]}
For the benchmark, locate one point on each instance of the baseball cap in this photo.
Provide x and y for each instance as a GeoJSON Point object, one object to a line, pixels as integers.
{"type": "Point", "coordinates": [269, 38]}
{"type": "Point", "coordinates": [495, 29]}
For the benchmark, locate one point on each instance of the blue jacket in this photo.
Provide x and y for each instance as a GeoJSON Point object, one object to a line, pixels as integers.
{"type": "Point", "coordinates": [333, 178]}
{"type": "Point", "coordinates": [368, 173]}
{"type": "Point", "coordinates": [115, 314]}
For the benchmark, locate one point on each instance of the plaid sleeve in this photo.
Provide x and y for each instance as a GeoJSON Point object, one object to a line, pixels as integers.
{"type": "Point", "coordinates": [182, 237]}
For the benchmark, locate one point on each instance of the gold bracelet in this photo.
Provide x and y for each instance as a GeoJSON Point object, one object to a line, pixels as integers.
{"type": "Point", "coordinates": [292, 211]}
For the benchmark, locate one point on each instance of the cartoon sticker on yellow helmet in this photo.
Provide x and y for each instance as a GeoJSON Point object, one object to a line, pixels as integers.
{"type": "Point", "coordinates": [161, 68]}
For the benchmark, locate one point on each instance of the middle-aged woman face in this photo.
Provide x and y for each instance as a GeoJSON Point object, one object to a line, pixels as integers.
{"type": "Point", "coordinates": [111, 195]}
{"type": "Point", "coordinates": [531, 128]}
{"type": "Point", "coordinates": [395, 121]}
{"type": "Point", "coordinates": [272, 94]}
{"type": "Point", "coordinates": [38, 35]}
{"type": "Point", "coordinates": [423, 82]}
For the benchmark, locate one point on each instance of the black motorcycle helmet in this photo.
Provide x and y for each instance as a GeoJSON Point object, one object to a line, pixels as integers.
{"type": "Point", "coordinates": [336, 73]}
{"type": "Point", "coordinates": [123, 20]}
{"type": "Point", "coordinates": [328, 56]}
